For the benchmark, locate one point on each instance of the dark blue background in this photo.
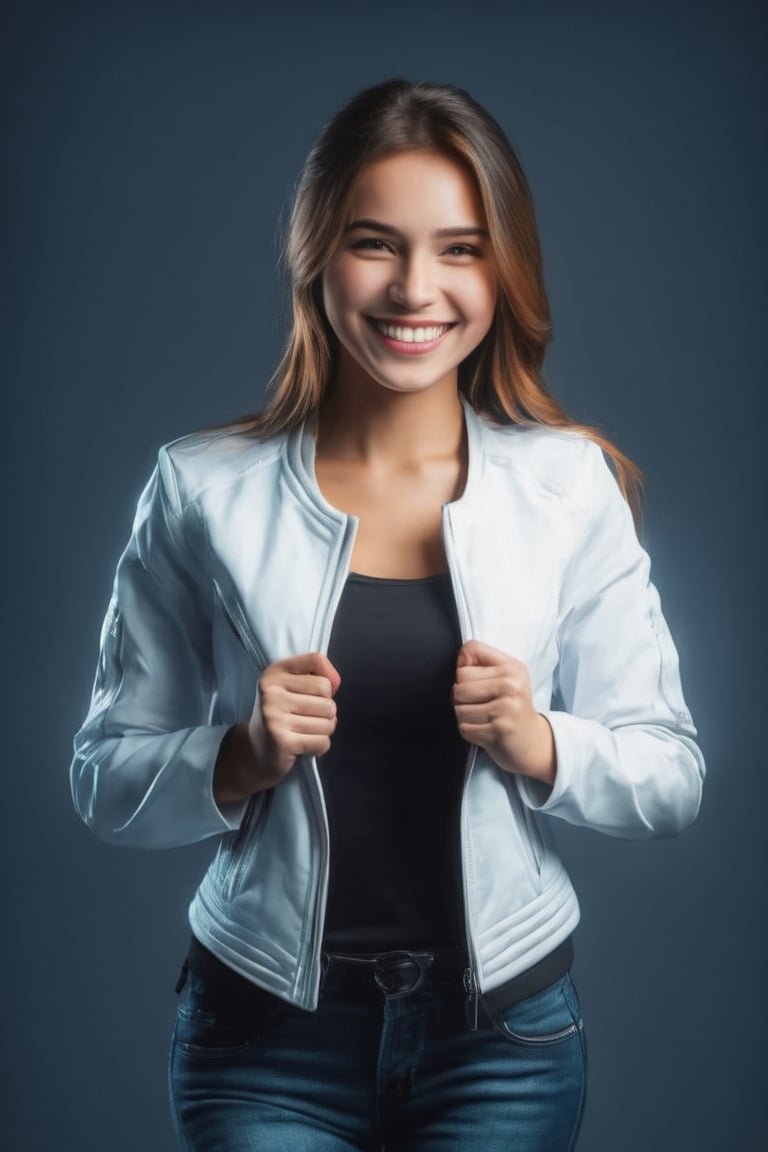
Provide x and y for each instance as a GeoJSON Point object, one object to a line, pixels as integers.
{"type": "Point", "coordinates": [147, 151]}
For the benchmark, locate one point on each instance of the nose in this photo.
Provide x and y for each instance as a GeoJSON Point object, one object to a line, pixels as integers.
{"type": "Point", "coordinates": [412, 284]}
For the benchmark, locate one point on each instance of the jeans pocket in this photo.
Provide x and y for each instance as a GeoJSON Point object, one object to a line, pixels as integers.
{"type": "Point", "coordinates": [208, 1025]}
{"type": "Point", "coordinates": [550, 1016]}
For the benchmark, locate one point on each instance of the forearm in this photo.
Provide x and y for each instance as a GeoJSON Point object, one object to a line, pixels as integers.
{"type": "Point", "coordinates": [531, 753]}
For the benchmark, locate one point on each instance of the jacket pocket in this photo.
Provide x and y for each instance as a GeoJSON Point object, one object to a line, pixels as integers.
{"type": "Point", "coordinates": [532, 836]}
{"type": "Point", "coordinates": [235, 617]}
{"type": "Point", "coordinates": [244, 842]}
{"type": "Point", "coordinates": [528, 831]}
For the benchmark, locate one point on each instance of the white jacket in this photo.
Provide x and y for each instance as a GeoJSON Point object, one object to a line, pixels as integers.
{"type": "Point", "coordinates": [236, 560]}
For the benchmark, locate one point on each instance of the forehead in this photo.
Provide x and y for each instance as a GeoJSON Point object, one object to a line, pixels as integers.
{"type": "Point", "coordinates": [417, 187]}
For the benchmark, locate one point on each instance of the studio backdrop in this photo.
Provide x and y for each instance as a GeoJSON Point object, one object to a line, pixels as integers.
{"type": "Point", "coordinates": [149, 150]}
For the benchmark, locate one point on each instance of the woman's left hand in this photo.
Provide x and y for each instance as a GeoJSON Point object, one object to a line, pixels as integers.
{"type": "Point", "coordinates": [494, 708]}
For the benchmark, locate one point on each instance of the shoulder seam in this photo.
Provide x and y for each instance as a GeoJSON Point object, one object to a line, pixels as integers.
{"type": "Point", "coordinates": [231, 471]}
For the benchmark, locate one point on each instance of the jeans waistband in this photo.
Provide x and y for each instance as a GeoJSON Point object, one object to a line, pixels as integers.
{"type": "Point", "coordinates": [535, 979]}
{"type": "Point", "coordinates": [395, 974]}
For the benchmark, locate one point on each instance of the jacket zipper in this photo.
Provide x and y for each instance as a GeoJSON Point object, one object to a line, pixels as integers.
{"type": "Point", "coordinates": [470, 981]}
{"type": "Point", "coordinates": [311, 959]}
{"type": "Point", "coordinates": [471, 987]}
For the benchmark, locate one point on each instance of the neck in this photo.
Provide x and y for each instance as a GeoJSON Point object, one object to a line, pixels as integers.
{"type": "Point", "coordinates": [379, 427]}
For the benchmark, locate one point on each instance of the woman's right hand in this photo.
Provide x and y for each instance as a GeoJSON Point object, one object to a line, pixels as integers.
{"type": "Point", "coordinates": [294, 715]}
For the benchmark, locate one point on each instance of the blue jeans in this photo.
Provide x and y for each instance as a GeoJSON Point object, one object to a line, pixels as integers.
{"type": "Point", "coordinates": [376, 1072]}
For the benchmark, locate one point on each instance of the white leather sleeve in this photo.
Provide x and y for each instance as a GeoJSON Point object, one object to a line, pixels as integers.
{"type": "Point", "coordinates": [143, 765]}
{"type": "Point", "coordinates": [627, 761]}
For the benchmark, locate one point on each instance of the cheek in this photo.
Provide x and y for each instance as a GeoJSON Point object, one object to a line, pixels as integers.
{"type": "Point", "coordinates": [480, 301]}
{"type": "Point", "coordinates": [349, 284]}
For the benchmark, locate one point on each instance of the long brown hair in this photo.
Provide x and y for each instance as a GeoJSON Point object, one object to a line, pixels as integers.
{"type": "Point", "coordinates": [502, 376]}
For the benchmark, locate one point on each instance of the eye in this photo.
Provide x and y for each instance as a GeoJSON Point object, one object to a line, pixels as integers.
{"type": "Point", "coordinates": [462, 250]}
{"type": "Point", "coordinates": [371, 244]}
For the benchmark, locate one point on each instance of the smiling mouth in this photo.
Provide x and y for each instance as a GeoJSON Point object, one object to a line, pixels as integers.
{"type": "Point", "coordinates": [421, 334]}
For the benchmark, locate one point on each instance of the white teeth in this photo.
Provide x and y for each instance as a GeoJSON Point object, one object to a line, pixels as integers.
{"type": "Point", "coordinates": [411, 335]}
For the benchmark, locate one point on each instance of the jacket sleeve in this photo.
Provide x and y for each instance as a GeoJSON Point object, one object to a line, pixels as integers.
{"type": "Point", "coordinates": [143, 760]}
{"type": "Point", "coordinates": [627, 761]}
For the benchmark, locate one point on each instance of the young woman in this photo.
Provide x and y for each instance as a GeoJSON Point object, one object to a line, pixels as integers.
{"type": "Point", "coordinates": [367, 639]}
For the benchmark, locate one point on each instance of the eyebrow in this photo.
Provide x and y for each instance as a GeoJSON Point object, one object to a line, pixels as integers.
{"type": "Point", "coordinates": [388, 230]}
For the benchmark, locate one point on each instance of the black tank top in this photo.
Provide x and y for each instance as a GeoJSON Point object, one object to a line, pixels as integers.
{"type": "Point", "coordinates": [393, 776]}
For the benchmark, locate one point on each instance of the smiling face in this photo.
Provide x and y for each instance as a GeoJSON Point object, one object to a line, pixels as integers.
{"type": "Point", "coordinates": [411, 289]}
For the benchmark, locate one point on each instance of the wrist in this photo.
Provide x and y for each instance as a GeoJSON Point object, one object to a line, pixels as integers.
{"type": "Point", "coordinates": [538, 757]}
{"type": "Point", "coordinates": [235, 774]}
{"type": "Point", "coordinates": [544, 760]}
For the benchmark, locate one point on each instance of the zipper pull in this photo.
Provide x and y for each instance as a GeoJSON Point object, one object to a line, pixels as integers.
{"type": "Point", "coordinates": [470, 998]}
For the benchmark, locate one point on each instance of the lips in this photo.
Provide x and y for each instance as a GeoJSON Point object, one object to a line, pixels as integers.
{"type": "Point", "coordinates": [409, 339]}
